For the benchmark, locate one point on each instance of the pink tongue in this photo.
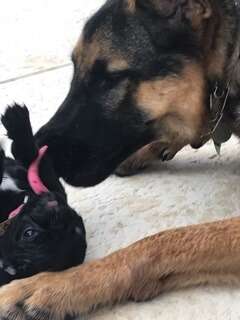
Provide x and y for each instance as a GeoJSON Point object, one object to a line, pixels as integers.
{"type": "Point", "coordinates": [33, 173]}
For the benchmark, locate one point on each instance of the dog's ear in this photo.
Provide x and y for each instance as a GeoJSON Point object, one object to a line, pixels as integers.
{"type": "Point", "coordinates": [194, 11]}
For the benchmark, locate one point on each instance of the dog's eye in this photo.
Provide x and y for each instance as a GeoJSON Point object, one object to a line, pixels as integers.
{"type": "Point", "coordinates": [109, 80]}
{"type": "Point", "coordinates": [121, 75]}
{"type": "Point", "coordinates": [29, 234]}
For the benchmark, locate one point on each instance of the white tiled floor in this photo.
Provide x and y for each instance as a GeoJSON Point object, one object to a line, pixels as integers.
{"type": "Point", "coordinates": [194, 187]}
{"type": "Point", "coordinates": [36, 35]}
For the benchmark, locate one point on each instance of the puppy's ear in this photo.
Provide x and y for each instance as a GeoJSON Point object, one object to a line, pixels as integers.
{"type": "Point", "coordinates": [192, 10]}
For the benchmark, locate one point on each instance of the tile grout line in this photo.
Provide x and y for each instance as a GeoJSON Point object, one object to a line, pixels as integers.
{"type": "Point", "coordinates": [32, 74]}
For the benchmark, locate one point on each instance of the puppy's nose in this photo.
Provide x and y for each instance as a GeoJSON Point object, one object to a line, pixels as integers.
{"type": "Point", "coordinates": [50, 201]}
{"type": "Point", "coordinates": [52, 204]}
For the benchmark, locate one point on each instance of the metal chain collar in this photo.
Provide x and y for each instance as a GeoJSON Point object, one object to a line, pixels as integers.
{"type": "Point", "coordinates": [220, 132]}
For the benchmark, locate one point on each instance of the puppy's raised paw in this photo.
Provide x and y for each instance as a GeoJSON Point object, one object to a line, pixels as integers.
{"type": "Point", "coordinates": [14, 119]}
{"type": "Point", "coordinates": [17, 123]}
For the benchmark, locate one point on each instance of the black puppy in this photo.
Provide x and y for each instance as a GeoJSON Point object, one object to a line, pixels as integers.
{"type": "Point", "coordinates": [46, 234]}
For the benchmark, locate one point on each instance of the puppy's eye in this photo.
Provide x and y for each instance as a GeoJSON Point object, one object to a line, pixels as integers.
{"type": "Point", "coordinates": [29, 234]}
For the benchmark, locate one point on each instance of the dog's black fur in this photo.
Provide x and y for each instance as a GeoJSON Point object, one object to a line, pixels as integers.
{"type": "Point", "coordinates": [131, 64]}
{"type": "Point", "coordinates": [47, 234]}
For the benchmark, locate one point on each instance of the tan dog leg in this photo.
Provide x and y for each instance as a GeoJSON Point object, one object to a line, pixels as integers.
{"type": "Point", "coordinates": [208, 253]}
{"type": "Point", "coordinates": [146, 156]}
{"type": "Point", "coordinates": [173, 136]}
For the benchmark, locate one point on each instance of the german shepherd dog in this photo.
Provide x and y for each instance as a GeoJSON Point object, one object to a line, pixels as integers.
{"type": "Point", "coordinates": [147, 75]}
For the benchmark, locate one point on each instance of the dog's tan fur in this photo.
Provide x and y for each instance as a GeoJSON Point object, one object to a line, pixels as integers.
{"type": "Point", "coordinates": [213, 30]}
{"type": "Point", "coordinates": [131, 5]}
{"type": "Point", "coordinates": [171, 96]}
{"type": "Point", "coordinates": [178, 118]}
{"type": "Point", "coordinates": [86, 53]}
{"type": "Point", "coordinates": [202, 254]}
{"type": "Point", "coordinates": [168, 98]}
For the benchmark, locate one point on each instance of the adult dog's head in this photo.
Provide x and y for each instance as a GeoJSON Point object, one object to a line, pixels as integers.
{"type": "Point", "coordinates": [141, 73]}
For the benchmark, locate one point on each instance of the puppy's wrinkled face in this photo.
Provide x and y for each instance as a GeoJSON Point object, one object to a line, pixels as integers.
{"type": "Point", "coordinates": [138, 75]}
{"type": "Point", "coordinates": [47, 235]}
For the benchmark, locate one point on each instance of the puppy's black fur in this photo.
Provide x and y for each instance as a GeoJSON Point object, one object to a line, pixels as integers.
{"type": "Point", "coordinates": [42, 238]}
{"type": "Point", "coordinates": [14, 186]}
{"type": "Point", "coordinates": [47, 235]}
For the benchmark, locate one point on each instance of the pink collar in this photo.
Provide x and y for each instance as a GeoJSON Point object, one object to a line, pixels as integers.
{"type": "Point", "coordinates": [15, 212]}
{"type": "Point", "coordinates": [34, 179]}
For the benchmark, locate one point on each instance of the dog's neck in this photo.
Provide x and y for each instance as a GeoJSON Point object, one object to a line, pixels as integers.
{"type": "Point", "coordinates": [224, 60]}
{"type": "Point", "coordinates": [233, 68]}
{"type": "Point", "coordinates": [221, 45]}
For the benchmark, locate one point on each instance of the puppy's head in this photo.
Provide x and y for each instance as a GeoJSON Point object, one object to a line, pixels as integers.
{"type": "Point", "coordinates": [46, 235]}
{"type": "Point", "coordinates": [140, 74]}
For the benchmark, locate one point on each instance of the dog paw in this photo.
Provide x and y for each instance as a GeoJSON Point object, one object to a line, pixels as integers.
{"type": "Point", "coordinates": [166, 153]}
{"type": "Point", "coordinates": [15, 120]}
{"type": "Point", "coordinates": [144, 157]}
{"type": "Point", "coordinates": [41, 297]}
{"type": "Point", "coordinates": [130, 167]}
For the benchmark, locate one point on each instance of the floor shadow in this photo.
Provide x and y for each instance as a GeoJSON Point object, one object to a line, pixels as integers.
{"type": "Point", "coordinates": [184, 167]}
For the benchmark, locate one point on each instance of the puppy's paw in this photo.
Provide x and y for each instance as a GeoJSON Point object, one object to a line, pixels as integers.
{"type": "Point", "coordinates": [16, 121]}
